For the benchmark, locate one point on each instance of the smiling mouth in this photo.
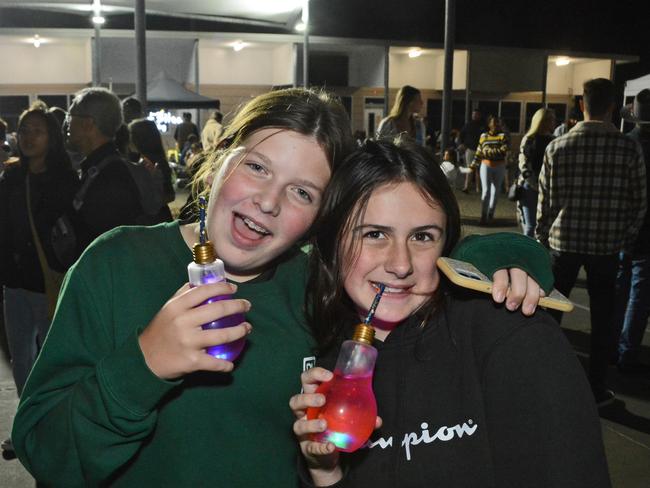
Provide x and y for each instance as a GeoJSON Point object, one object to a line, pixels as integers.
{"type": "Point", "coordinates": [254, 226]}
{"type": "Point", "coordinates": [389, 289]}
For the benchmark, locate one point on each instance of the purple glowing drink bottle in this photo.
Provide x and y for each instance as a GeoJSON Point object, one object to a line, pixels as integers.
{"type": "Point", "coordinates": [207, 269]}
{"type": "Point", "coordinates": [350, 407]}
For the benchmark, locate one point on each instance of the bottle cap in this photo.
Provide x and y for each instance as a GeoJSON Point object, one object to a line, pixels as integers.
{"type": "Point", "coordinates": [364, 333]}
{"type": "Point", "coordinates": [203, 252]}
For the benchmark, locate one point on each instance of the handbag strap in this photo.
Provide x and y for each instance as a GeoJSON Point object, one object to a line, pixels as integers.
{"type": "Point", "coordinates": [39, 249]}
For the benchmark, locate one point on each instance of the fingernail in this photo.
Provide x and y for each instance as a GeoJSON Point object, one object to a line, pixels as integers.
{"type": "Point", "coordinates": [500, 296]}
{"type": "Point", "coordinates": [529, 309]}
{"type": "Point", "coordinates": [248, 305]}
{"type": "Point", "coordinates": [511, 306]}
{"type": "Point", "coordinates": [249, 328]}
{"type": "Point", "coordinates": [233, 287]}
{"type": "Point", "coordinates": [321, 425]}
{"type": "Point", "coordinates": [320, 400]}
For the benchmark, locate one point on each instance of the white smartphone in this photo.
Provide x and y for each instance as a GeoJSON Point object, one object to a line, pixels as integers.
{"type": "Point", "coordinates": [467, 275]}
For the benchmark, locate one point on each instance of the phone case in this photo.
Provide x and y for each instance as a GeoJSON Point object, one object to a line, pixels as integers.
{"type": "Point", "coordinates": [467, 275]}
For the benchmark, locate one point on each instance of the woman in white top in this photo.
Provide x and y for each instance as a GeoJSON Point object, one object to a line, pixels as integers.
{"type": "Point", "coordinates": [403, 117]}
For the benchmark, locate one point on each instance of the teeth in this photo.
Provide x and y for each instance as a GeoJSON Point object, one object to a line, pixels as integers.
{"type": "Point", "coordinates": [252, 225]}
{"type": "Point", "coordinates": [388, 289]}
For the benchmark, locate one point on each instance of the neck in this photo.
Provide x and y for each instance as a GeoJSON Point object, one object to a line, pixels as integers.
{"type": "Point", "coordinates": [598, 118]}
{"type": "Point", "coordinates": [94, 144]}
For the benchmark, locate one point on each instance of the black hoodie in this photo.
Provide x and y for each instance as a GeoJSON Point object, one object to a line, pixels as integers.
{"type": "Point", "coordinates": [479, 397]}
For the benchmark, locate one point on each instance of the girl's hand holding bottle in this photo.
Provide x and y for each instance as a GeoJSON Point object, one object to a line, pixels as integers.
{"type": "Point", "coordinates": [322, 457]}
{"type": "Point", "coordinates": [174, 344]}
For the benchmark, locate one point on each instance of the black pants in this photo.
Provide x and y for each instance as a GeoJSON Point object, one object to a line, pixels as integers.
{"type": "Point", "coordinates": [601, 286]}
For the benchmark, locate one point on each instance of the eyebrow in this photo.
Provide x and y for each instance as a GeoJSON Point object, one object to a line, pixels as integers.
{"type": "Point", "coordinates": [299, 181]}
{"type": "Point", "coordinates": [387, 228]}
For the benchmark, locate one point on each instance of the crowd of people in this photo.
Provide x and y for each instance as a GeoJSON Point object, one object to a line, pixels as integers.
{"type": "Point", "coordinates": [308, 223]}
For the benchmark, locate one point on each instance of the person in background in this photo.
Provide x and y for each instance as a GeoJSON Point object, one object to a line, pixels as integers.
{"type": "Point", "coordinates": [574, 117]}
{"type": "Point", "coordinates": [44, 175]}
{"type": "Point", "coordinates": [470, 395]}
{"type": "Point", "coordinates": [5, 149]}
{"type": "Point", "coordinates": [183, 131]}
{"type": "Point", "coordinates": [146, 142]}
{"type": "Point", "coordinates": [633, 280]}
{"type": "Point", "coordinates": [191, 139]}
{"type": "Point", "coordinates": [592, 201]}
{"type": "Point", "coordinates": [450, 168]}
{"type": "Point", "coordinates": [491, 154]}
{"type": "Point", "coordinates": [112, 197]}
{"type": "Point", "coordinates": [59, 115]}
{"type": "Point", "coordinates": [531, 156]}
{"type": "Point", "coordinates": [468, 142]}
{"type": "Point", "coordinates": [404, 117]}
{"type": "Point", "coordinates": [212, 131]}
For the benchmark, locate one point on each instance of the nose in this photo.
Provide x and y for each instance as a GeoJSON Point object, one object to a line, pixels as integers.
{"type": "Point", "coordinates": [268, 200]}
{"type": "Point", "coordinates": [398, 261]}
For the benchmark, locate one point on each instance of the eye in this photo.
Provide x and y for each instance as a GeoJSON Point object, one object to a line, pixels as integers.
{"type": "Point", "coordinates": [425, 237]}
{"type": "Point", "coordinates": [255, 167]}
{"type": "Point", "coordinates": [303, 195]}
{"type": "Point", "coordinates": [374, 234]}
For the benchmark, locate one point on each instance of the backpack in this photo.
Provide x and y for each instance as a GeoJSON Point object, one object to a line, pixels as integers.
{"type": "Point", "coordinates": [63, 237]}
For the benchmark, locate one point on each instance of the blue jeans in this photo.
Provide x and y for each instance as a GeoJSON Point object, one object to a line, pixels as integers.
{"type": "Point", "coordinates": [528, 209]}
{"type": "Point", "coordinates": [601, 286]}
{"type": "Point", "coordinates": [26, 325]}
{"type": "Point", "coordinates": [491, 181]}
{"type": "Point", "coordinates": [633, 304]}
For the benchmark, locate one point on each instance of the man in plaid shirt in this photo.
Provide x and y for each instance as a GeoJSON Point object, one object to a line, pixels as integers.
{"type": "Point", "coordinates": [592, 200]}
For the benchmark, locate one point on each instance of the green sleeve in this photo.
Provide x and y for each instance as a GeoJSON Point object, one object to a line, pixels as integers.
{"type": "Point", "coordinates": [90, 401]}
{"type": "Point", "coordinates": [503, 250]}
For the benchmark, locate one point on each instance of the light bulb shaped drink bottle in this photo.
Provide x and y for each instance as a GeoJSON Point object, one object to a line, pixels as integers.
{"type": "Point", "coordinates": [350, 407]}
{"type": "Point", "coordinates": [207, 269]}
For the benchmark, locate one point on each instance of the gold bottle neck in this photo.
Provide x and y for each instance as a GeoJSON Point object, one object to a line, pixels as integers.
{"type": "Point", "coordinates": [203, 253]}
{"type": "Point", "coordinates": [364, 333]}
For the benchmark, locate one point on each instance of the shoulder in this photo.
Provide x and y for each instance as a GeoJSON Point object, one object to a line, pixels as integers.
{"type": "Point", "coordinates": [493, 328]}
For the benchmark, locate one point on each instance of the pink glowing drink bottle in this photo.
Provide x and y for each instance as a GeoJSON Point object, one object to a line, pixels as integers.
{"type": "Point", "coordinates": [350, 407]}
{"type": "Point", "coordinates": [206, 269]}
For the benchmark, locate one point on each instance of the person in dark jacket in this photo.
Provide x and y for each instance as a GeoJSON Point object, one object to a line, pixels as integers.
{"type": "Point", "coordinates": [633, 280]}
{"type": "Point", "coordinates": [470, 395]}
{"type": "Point", "coordinates": [112, 199]}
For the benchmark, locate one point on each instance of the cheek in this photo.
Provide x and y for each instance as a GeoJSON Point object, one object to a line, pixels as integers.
{"type": "Point", "coordinates": [297, 221]}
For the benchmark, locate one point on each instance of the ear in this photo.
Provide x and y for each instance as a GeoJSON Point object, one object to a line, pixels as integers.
{"type": "Point", "coordinates": [581, 102]}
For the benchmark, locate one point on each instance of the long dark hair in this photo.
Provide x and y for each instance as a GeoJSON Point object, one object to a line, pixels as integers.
{"type": "Point", "coordinates": [374, 165]}
{"type": "Point", "coordinates": [57, 158]}
{"type": "Point", "coordinates": [309, 112]}
{"type": "Point", "coordinates": [145, 137]}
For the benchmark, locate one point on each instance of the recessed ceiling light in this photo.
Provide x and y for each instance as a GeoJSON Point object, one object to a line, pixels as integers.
{"type": "Point", "coordinates": [238, 45]}
{"type": "Point", "coordinates": [562, 61]}
{"type": "Point", "coordinates": [415, 52]}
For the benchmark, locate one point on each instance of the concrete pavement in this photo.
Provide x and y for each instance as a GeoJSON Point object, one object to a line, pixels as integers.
{"type": "Point", "coordinates": [625, 424]}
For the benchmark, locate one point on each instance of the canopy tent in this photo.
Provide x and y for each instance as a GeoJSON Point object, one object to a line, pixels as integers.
{"type": "Point", "coordinates": [632, 87]}
{"type": "Point", "coordinates": [164, 92]}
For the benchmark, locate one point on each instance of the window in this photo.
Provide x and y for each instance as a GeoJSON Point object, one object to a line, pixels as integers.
{"type": "Point", "coordinates": [488, 107]}
{"type": "Point", "coordinates": [510, 114]}
{"type": "Point", "coordinates": [531, 108]}
{"type": "Point", "coordinates": [11, 107]}
{"type": "Point", "coordinates": [55, 100]}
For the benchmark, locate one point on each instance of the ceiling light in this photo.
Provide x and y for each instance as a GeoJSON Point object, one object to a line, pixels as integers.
{"type": "Point", "coordinates": [238, 45]}
{"type": "Point", "coordinates": [36, 41]}
{"type": "Point", "coordinates": [98, 19]}
{"type": "Point", "coordinates": [562, 61]}
{"type": "Point", "coordinates": [415, 52]}
{"type": "Point", "coordinates": [300, 26]}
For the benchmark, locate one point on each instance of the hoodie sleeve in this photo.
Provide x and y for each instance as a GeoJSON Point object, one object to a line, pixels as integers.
{"type": "Point", "coordinates": [90, 401]}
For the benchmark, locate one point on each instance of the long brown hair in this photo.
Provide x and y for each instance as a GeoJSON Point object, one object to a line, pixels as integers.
{"type": "Point", "coordinates": [376, 164]}
{"type": "Point", "coordinates": [57, 158]}
{"type": "Point", "coordinates": [309, 112]}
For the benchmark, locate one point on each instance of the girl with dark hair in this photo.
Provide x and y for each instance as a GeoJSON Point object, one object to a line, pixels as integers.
{"type": "Point", "coordinates": [470, 394]}
{"type": "Point", "coordinates": [404, 117]}
{"type": "Point", "coordinates": [145, 140]}
{"type": "Point", "coordinates": [491, 155]}
{"type": "Point", "coordinates": [34, 193]}
{"type": "Point", "coordinates": [124, 393]}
